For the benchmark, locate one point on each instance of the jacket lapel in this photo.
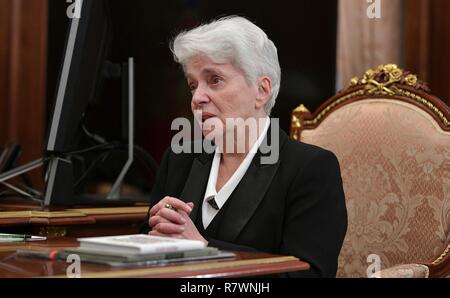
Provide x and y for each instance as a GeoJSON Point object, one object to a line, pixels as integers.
{"type": "Point", "coordinates": [195, 186]}
{"type": "Point", "coordinates": [250, 192]}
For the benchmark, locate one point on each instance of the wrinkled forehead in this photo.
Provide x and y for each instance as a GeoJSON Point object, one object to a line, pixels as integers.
{"type": "Point", "coordinates": [203, 65]}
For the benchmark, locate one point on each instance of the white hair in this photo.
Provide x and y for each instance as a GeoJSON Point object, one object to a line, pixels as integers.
{"type": "Point", "coordinates": [234, 40]}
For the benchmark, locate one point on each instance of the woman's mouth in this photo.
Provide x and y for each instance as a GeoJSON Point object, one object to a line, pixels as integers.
{"type": "Point", "coordinates": [206, 116]}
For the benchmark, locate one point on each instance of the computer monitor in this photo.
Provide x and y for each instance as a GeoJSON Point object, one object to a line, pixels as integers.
{"type": "Point", "coordinates": [84, 60]}
{"type": "Point", "coordinates": [84, 66]}
{"type": "Point", "coordinates": [85, 55]}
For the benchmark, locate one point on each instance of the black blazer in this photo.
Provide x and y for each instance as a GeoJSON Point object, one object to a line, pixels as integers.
{"type": "Point", "coordinates": [293, 207]}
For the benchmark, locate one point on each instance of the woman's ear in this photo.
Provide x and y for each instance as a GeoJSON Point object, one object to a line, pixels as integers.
{"type": "Point", "coordinates": [264, 85]}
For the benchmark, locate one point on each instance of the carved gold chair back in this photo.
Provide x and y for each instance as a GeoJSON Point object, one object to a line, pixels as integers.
{"type": "Point", "coordinates": [392, 139]}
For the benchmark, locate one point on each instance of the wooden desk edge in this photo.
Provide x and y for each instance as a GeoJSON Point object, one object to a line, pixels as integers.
{"type": "Point", "coordinates": [72, 216]}
{"type": "Point", "coordinates": [232, 268]}
{"type": "Point", "coordinates": [76, 212]}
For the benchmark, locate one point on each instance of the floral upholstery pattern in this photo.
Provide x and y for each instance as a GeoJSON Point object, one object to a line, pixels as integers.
{"type": "Point", "coordinates": [395, 163]}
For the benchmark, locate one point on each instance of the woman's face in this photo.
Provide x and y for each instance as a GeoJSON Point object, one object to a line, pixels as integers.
{"type": "Point", "coordinates": [220, 92]}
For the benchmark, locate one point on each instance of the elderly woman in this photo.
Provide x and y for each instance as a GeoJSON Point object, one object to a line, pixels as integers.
{"type": "Point", "coordinates": [230, 199]}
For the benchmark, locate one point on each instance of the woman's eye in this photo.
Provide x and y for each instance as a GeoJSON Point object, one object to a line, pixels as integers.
{"type": "Point", "coordinates": [215, 80]}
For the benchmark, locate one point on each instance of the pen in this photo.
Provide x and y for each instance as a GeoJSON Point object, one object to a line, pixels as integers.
{"type": "Point", "coordinates": [21, 237]}
{"type": "Point", "coordinates": [51, 254]}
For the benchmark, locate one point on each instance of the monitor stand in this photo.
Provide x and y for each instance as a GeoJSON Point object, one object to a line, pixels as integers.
{"type": "Point", "coordinates": [59, 176]}
{"type": "Point", "coordinates": [4, 177]}
{"type": "Point", "coordinates": [129, 75]}
{"type": "Point", "coordinates": [60, 172]}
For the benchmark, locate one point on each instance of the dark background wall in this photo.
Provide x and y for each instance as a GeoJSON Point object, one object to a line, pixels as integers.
{"type": "Point", "coordinates": [32, 34]}
{"type": "Point", "coordinates": [305, 34]}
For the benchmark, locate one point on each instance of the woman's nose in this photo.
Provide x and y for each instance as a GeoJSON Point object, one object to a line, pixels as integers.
{"type": "Point", "coordinates": [200, 97]}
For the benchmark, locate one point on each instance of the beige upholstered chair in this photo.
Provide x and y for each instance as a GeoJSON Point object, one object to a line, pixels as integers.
{"type": "Point", "coordinates": [392, 139]}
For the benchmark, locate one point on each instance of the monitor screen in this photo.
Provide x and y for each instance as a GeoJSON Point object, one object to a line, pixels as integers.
{"type": "Point", "coordinates": [87, 44]}
{"type": "Point", "coordinates": [81, 73]}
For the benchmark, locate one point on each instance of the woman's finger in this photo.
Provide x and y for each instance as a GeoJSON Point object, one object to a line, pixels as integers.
{"type": "Point", "coordinates": [156, 233]}
{"type": "Point", "coordinates": [169, 228]}
{"type": "Point", "coordinates": [172, 216]}
{"type": "Point", "coordinates": [154, 220]}
{"type": "Point", "coordinates": [174, 202]}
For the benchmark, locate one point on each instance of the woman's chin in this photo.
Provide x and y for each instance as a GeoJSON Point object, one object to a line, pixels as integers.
{"type": "Point", "coordinates": [211, 135]}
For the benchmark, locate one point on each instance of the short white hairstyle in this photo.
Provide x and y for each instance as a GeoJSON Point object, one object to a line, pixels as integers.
{"type": "Point", "coordinates": [234, 40]}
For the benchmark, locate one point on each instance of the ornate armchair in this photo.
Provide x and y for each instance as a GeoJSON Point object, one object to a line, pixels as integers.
{"type": "Point", "coordinates": [392, 139]}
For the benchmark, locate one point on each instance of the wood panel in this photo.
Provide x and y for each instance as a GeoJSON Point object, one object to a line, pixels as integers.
{"type": "Point", "coordinates": [439, 61]}
{"type": "Point", "coordinates": [427, 43]}
{"type": "Point", "coordinates": [28, 75]}
{"type": "Point", "coordinates": [23, 59]}
{"type": "Point", "coordinates": [416, 37]}
{"type": "Point", "coordinates": [4, 68]}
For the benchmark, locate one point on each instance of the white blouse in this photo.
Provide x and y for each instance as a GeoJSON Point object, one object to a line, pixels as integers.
{"type": "Point", "coordinates": [208, 211]}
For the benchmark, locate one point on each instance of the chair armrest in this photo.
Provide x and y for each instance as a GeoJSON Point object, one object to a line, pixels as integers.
{"type": "Point", "coordinates": [404, 271]}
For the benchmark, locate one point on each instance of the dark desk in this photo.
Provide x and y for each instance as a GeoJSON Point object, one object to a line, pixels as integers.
{"type": "Point", "coordinates": [245, 264]}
